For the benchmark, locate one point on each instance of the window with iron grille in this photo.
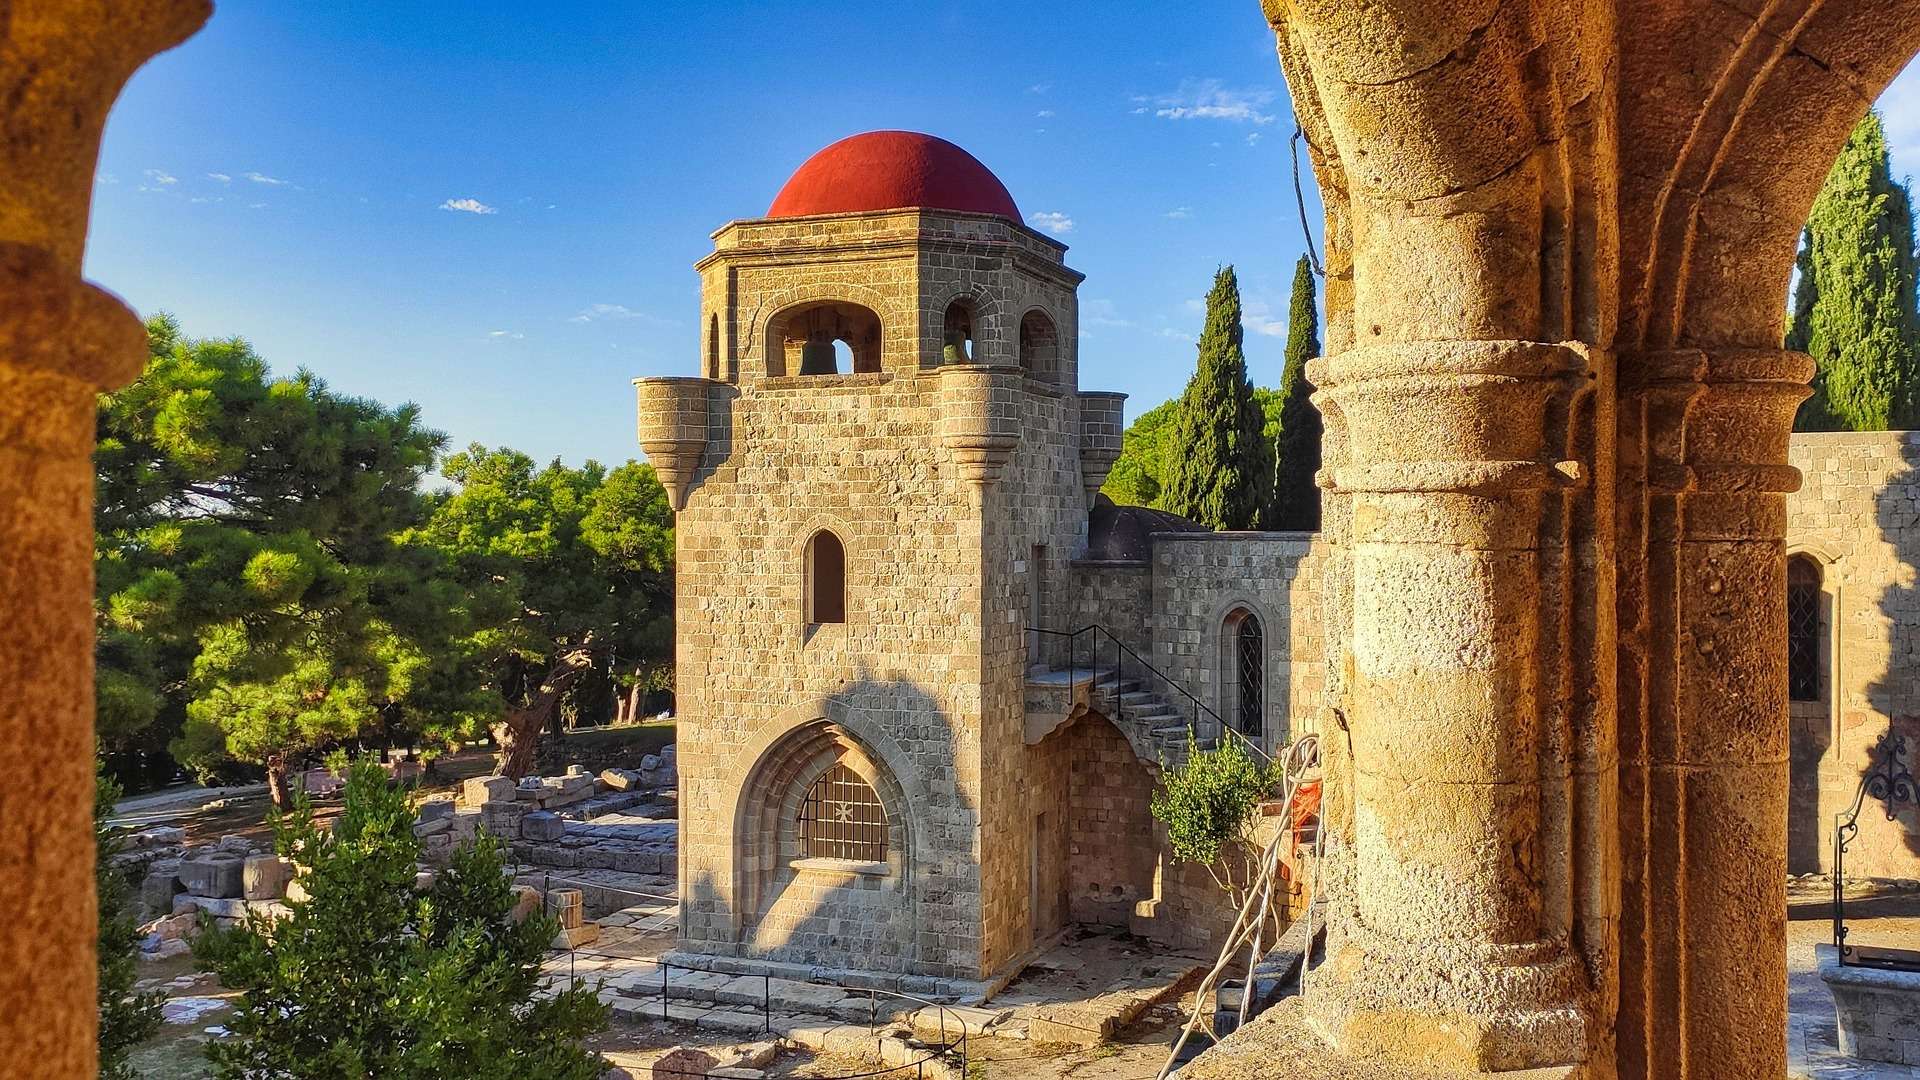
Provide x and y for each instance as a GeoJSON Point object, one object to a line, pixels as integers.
{"type": "Point", "coordinates": [1250, 648]}
{"type": "Point", "coordinates": [842, 819]}
{"type": "Point", "coordinates": [1803, 629]}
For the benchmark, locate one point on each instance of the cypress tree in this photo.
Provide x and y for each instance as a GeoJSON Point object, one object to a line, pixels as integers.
{"type": "Point", "coordinates": [1221, 471]}
{"type": "Point", "coordinates": [1854, 305]}
{"type": "Point", "coordinates": [1296, 501]}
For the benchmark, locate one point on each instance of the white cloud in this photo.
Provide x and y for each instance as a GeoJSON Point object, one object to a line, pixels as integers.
{"type": "Point", "coordinates": [160, 177]}
{"type": "Point", "coordinates": [595, 312]}
{"type": "Point", "coordinates": [261, 178]}
{"type": "Point", "coordinates": [468, 206]}
{"type": "Point", "coordinates": [105, 178]}
{"type": "Point", "coordinates": [1257, 316]}
{"type": "Point", "coordinates": [1180, 213]}
{"type": "Point", "coordinates": [1052, 221]}
{"type": "Point", "coordinates": [1044, 114]}
{"type": "Point", "coordinates": [220, 176]}
{"type": "Point", "coordinates": [1210, 99]}
{"type": "Point", "coordinates": [1101, 312]}
{"type": "Point", "coordinates": [1039, 88]}
{"type": "Point", "coordinates": [508, 334]}
{"type": "Point", "coordinates": [1253, 138]}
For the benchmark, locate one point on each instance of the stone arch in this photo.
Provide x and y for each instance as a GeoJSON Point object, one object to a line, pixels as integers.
{"type": "Point", "coordinates": [1095, 791]}
{"type": "Point", "coordinates": [986, 311]}
{"type": "Point", "coordinates": [1222, 669]}
{"type": "Point", "coordinates": [1040, 349]}
{"type": "Point", "coordinates": [824, 578]}
{"type": "Point", "coordinates": [805, 339]}
{"type": "Point", "coordinates": [802, 551]}
{"type": "Point", "coordinates": [1244, 678]}
{"type": "Point", "coordinates": [772, 774]}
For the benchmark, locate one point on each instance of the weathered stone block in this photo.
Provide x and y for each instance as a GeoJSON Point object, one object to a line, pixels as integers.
{"type": "Point", "coordinates": [584, 934]}
{"type": "Point", "coordinates": [526, 901]}
{"type": "Point", "coordinates": [213, 873]}
{"type": "Point", "coordinates": [485, 789]}
{"type": "Point", "coordinates": [620, 779]}
{"type": "Point", "coordinates": [543, 825]}
{"type": "Point", "coordinates": [265, 877]}
{"type": "Point", "coordinates": [436, 810]}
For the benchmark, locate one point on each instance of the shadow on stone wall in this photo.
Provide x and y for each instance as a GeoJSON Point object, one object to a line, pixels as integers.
{"type": "Point", "coordinates": [1893, 697]}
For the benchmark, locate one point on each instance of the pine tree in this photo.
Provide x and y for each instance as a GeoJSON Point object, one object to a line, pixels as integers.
{"type": "Point", "coordinates": [371, 976]}
{"type": "Point", "coordinates": [1296, 500]}
{"type": "Point", "coordinates": [1222, 465]}
{"type": "Point", "coordinates": [1854, 305]}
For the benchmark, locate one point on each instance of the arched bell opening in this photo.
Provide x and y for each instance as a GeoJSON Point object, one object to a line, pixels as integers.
{"type": "Point", "coordinates": [957, 333]}
{"type": "Point", "coordinates": [1039, 346]}
{"type": "Point", "coordinates": [826, 338]}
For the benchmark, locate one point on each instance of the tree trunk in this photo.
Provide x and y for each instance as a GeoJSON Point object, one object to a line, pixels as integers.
{"type": "Point", "coordinates": [518, 733]}
{"type": "Point", "coordinates": [635, 696]}
{"type": "Point", "coordinates": [277, 786]}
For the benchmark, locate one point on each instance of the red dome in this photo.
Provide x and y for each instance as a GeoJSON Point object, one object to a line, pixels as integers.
{"type": "Point", "coordinates": [892, 170]}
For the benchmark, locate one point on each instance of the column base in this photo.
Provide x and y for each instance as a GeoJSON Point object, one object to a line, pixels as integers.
{"type": "Point", "coordinates": [1283, 1045]}
{"type": "Point", "coordinates": [1470, 1007]}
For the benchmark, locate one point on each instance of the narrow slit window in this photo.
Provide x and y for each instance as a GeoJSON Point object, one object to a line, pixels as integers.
{"type": "Point", "coordinates": [1803, 629]}
{"type": "Point", "coordinates": [842, 819]}
{"type": "Point", "coordinates": [826, 579]}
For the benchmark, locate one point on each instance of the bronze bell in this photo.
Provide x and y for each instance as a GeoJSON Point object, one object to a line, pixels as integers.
{"type": "Point", "coordinates": [816, 356]}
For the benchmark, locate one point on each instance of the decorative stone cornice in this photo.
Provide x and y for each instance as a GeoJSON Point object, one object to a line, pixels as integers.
{"type": "Point", "coordinates": [1460, 416]}
{"type": "Point", "coordinates": [673, 430]}
{"type": "Point", "coordinates": [1102, 425]}
{"type": "Point", "coordinates": [52, 321]}
{"type": "Point", "coordinates": [980, 417]}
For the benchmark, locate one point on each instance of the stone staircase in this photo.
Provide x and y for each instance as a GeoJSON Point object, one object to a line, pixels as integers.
{"type": "Point", "coordinates": [1156, 728]}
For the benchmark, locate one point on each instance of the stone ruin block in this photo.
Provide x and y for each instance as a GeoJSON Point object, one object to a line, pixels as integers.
{"type": "Point", "coordinates": [620, 779]}
{"type": "Point", "coordinates": [213, 873]}
{"type": "Point", "coordinates": [526, 901]}
{"type": "Point", "coordinates": [265, 877]}
{"type": "Point", "coordinates": [485, 789]}
{"type": "Point", "coordinates": [436, 809]}
{"type": "Point", "coordinates": [543, 825]}
{"type": "Point", "coordinates": [161, 885]}
{"type": "Point", "coordinates": [503, 818]}
{"type": "Point", "coordinates": [238, 845]}
{"type": "Point", "coordinates": [159, 836]}
{"type": "Point", "coordinates": [466, 826]}
{"type": "Point", "coordinates": [682, 1062]}
{"type": "Point", "coordinates": [577, 770]}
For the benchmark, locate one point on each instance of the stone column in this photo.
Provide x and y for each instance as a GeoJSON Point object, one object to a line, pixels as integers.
{"type": "Point", "coordinates": [1706, 780]}
{"type": "Point", "coordinates": [61, 341]}
{"type": "Point", "coordinates": [1451, 954]}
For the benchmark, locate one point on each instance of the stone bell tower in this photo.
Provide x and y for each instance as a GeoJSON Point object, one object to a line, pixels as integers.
{"type": "Point", "coordinates": [880, 480]}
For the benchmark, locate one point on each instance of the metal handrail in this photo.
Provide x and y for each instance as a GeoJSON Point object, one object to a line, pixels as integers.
{"type": "Point", "coordinates": [1120, 650]}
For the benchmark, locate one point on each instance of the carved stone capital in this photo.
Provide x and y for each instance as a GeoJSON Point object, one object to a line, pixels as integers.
{"type": "Point", "coordinates": [673, 430]}
{"type": "Point", "coordinates": [980, 417]}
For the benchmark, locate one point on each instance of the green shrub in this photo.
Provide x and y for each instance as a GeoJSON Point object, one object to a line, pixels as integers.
{"type": "Point", "coordinates": [368, 978]}
{"type": "Point", "coordinates": [1210, 806]}
{"type": "Point", "coordinates": [126, 1019]}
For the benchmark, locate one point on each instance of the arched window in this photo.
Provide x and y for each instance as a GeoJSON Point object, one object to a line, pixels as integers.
{"type": "Point", "coordinates": [826, 338]}
{"type": "Point", "coordinates": [842, 819]}
{"type": "Point", "coordinates": [1244, 672]}
{"type": "Point", "coordinates": [1803, 629]}
{"type": "Point", "coordinates": [957, 338]}
{"type": "Point", "coordinates": [713, 348]}
{"type": "Point", "coordinates": [1039, 346]}
{"type": "Point", "coordinates": [826, 579]}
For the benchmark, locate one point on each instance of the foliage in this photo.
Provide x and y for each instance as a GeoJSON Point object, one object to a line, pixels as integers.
{"type": "Point", "coordinates": [1138, 475]}
{"type": "Point", "coordinates": [1221, 472]}
{"type": "Point", "coordinates": [570, 568]}
{"type": "Point", "coordinates": [1210, 806]}
{"type": "Point", "coordinates": [126, 1018]}
{"type": "Point", "coordinates": [1296, 499]}
{"type": "Point", "coordinates": [1854, 303]}
{"type": "Point", "coordinates": [368, 977]}
{"type": "Point", "coordinates": [250, 596]}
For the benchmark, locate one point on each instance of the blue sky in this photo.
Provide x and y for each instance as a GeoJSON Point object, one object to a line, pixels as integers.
{"type": "Point", "coordinates": [492, 208]}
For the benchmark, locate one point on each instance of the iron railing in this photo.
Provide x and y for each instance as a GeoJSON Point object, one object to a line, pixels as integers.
{"type": "Point", "coordinates": [1145, 673]}
{"type": "Point", "coordinates": [1890, 781]}
{"type": "Point", "coordinates": [954, 1044]}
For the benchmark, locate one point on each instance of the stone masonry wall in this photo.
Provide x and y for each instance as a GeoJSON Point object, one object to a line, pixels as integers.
{"type": "Point", "coordinates": [1857, 515]}
{"type": "Point", "coordinates": [1201, 578]}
